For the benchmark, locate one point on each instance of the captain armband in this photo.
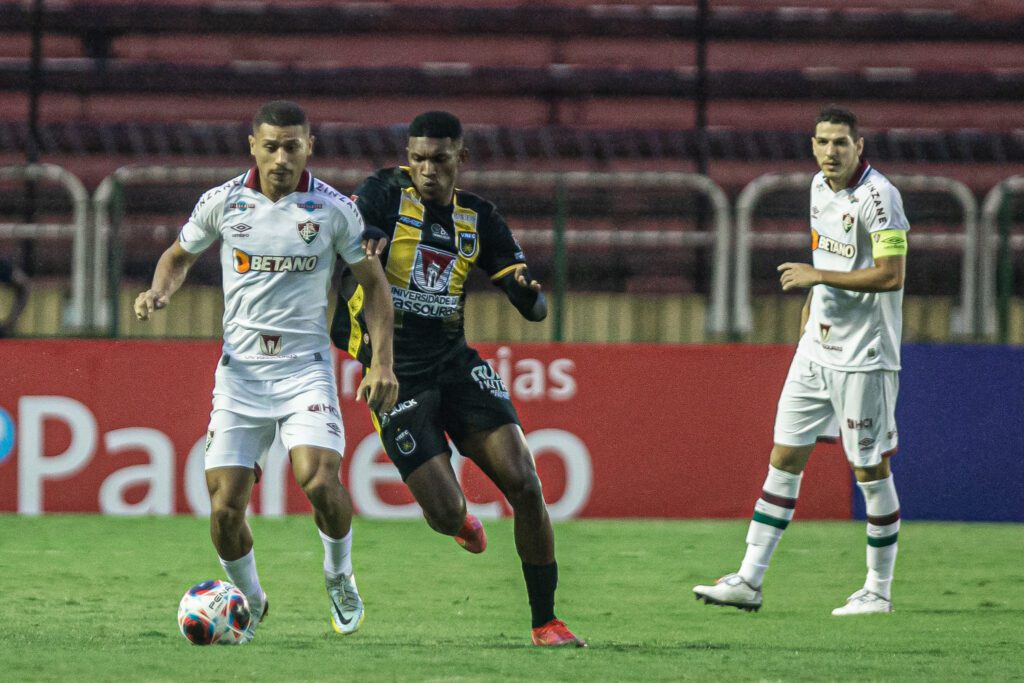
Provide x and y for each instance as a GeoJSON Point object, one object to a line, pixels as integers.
{"type": "Point", "coordinates": [889, 243]}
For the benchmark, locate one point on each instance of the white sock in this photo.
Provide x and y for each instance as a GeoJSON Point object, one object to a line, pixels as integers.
{"type": "Point", "coordinates": [883, 508]}
{"type": "Point", "coordinates": [337, 555]}
{"type": "Point", "coordinates": [772, 514]}
{"type": "Point", "coordinates": [242, 573]}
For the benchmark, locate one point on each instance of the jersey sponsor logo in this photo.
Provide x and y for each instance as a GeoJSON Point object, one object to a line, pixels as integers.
{"type": "Point", "coordinates": [815, 211]}
{"type": "Point", "coordinates": [424, 304]}
{"type": "Point", "coordinates": [432, 269]}
{"type": "Point", "coordinates": [240, 230]}
{"type": "Point", "coordinates": [241, 205]}
{"type": "Point", "coordinates": [847, 222]}
{"type": "Point", "coordinates": [489, 380]}
{"type": "Point", "coordinates": [270, 344]}
{"type": "Point", "coordinates": [876, 199]}
{"type": "Point", "coordinates": [309, 205]}
{"type": "Point", "coordinates": [308, 230]}
{"type": "Point", "coordinates": [412, 222]}
{"type": "Point", "coordinates": [439, 232]}
{"type": "Point", "coordinates": [832, 246]}
{"type": "Point", "coordinates": [405, 442]}
{"type": "Point", "coordinates": [468, 244]}
{"type": "Point", "coordinates": [245, 263]}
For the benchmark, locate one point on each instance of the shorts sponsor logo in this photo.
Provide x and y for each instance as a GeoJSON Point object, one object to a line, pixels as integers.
{"type": "Point", "coordinates": [426, 305]}
{"type": "Point", "coordinates": [323, 408]}
{"type": "Point", "coordinates": [245, 263]}
{"type": "Point", "coordinates": [489, 380]}
{"type": "Point", "coordinates": [405, 442]}
{"type": "Point", "coordinates": [270, 344]}
{"type": "Point", "coordinates": [308, 230]}
{"type": "Point", "coordinates": [432, 269]}
{"type": "Point", "coordinates": [866, 443]}
{"type": "Point", "coordinates": [309, 205]}
{"type": "Point", "coordinates": [385, 418]}
{"type": "Point", "coordinates": [209, 441]}
{"type": "Point", "coordinates": [334, 428]}
{"type": "Point", "coordinates": [468, 244]}
{"type": "Point", "coordinates": [866, 423]}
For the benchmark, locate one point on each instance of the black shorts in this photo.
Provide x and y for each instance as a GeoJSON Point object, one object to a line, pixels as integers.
{"type": "Point", "coordinates": [460, 396]}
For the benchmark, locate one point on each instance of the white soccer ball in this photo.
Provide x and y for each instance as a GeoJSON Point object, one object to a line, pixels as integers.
{"type": "Point", "coordinates": [214, 612]}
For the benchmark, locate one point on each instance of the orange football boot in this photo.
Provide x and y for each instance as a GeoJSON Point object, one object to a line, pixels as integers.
{"type": "Point", "coordinates": [555, 633]}
{"type": "Point", "coordinates": [471, 536]}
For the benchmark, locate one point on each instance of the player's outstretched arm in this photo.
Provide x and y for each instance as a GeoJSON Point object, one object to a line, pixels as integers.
{"type": "Point", "coordinates": [170, 274]}
{"type": "Point", "coordinates": [523, 291]}
{"type": "Point", "coordinates": [380, 386]}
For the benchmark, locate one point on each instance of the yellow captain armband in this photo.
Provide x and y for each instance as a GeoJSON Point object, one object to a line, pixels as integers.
{"type": "Point", "coordinates": [889, 243]}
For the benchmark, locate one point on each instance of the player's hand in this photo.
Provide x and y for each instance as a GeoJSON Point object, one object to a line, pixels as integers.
{"type": "Point", "coordinates": [147, 302]}
{"type": "Point", "coordinates": [374, 241]}
{"type": "Point", "coordinates": [521, 279]}
{"type": "Point", "coordinates": [798, 275]}
{"type": "Point", "coordinates": [380, 389]}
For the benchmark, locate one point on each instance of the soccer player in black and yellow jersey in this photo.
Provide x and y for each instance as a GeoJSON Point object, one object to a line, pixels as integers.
{"type": "Point", "coordinates": [429, 235]}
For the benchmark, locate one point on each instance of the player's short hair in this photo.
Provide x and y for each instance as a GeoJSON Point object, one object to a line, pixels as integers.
{"type": "Point", "coordinates": [835, 114]}
{"type": "Point", "coordinates": [436, 124]}
{"type": "Point", "coordinates": [280, 113]}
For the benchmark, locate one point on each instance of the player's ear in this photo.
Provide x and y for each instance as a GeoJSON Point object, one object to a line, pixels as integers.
{"type": "Point", "coordinates": [252, 145]}
{"type": "Point", "coordinates": [311, 138]}
{"type": "Point", "coordinates": [860, 146]}
{"type": "Point", "coordinates": [463, 154]}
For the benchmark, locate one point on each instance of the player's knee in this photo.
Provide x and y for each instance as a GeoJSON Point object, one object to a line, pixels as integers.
{"type": "Point", "coordinates": [526, 492]}
{"type": "Point", "coordinates": [446, 516]}
{"type": "Point", "coordinates": [320, 490]}
{"type": "Point", "coordinates": [226, 516]}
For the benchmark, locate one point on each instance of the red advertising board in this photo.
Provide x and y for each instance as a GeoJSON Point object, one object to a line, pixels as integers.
{"type": "Point", "coordinates": [617, 430]}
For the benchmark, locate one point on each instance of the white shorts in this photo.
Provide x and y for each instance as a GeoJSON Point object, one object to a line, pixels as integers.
{"type": "Point", "coordinates": [818, 402]}
{"type": "Point", "coordinates": [248, 414]}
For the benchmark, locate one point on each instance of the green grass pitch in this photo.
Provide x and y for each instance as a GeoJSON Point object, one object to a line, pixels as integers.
{"type": "Point", "coordinates": [88, 598]}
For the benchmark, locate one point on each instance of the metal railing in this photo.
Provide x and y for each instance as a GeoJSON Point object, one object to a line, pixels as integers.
{"type": "Point", "coordinates": [717, 239]}
{"type": "Point", "coordinates": [79, 314]}
{"type": "Point", "coordinates": [997, 247]}
{"type": "Point", "coordinates": [747, 239]}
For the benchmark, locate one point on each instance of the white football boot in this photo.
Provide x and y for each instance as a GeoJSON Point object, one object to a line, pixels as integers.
{"type": "Point", "coordinates": [863, 602]}
{"type": "Point", "coordinates": [257, 613]}
{"type": "Point", "coordinates": [346, 605]}
{"type": "Point", "coordinates": [732, 591]}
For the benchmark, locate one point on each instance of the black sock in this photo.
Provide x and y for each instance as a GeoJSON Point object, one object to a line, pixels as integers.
{"type": "Point", "coordinates": [541, 581]}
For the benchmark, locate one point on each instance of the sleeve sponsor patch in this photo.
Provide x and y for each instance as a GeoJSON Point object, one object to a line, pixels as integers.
{"type": "Point", "coordinates": [888, 243]}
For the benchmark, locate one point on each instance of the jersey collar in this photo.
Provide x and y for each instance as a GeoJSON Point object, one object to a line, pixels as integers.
{"type": "Point", "coordinates": [252, 180]}
{"type": "Point", "coordinates": [858, 176]}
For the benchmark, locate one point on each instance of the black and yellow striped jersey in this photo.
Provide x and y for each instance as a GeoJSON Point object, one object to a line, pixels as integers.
{"type": "Point", "coordinates": [429, 256]}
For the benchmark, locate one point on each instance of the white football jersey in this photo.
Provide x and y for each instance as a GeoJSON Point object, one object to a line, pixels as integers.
{"type": "Point", "coordinates": [853, 331]}
{"type": "Point", "coordinates": [276, 259]}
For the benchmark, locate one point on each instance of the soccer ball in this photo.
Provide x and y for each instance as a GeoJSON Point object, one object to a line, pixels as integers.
{"type": "Point", "coordinates": [214, 612]}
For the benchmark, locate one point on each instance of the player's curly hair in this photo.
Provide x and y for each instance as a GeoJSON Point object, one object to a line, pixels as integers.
{"type": "Point", "coordinates": [436, 124]}
{"type": "Point", "coordinates": [280, 113]}
{"type": "Point", "coordinates": [833, 113]}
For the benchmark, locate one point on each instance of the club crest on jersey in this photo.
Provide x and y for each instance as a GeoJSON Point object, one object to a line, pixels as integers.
{"type": "Point", "coordinates": [468, 244]}
{"type": "Point", "coordinates": [432, 269]}
{"type": "Point", "coordinates": [308, 230]}
{"type": "Point", "coordinates": [270, 344]}
{"type": "Point", "coordinates": [847, 222]}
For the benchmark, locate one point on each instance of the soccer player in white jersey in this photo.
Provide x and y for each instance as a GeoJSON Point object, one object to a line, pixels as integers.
{"type": "Point", "coordinates": [281, 231]}
{"type": "Point", "coordinates": [846, 365]}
